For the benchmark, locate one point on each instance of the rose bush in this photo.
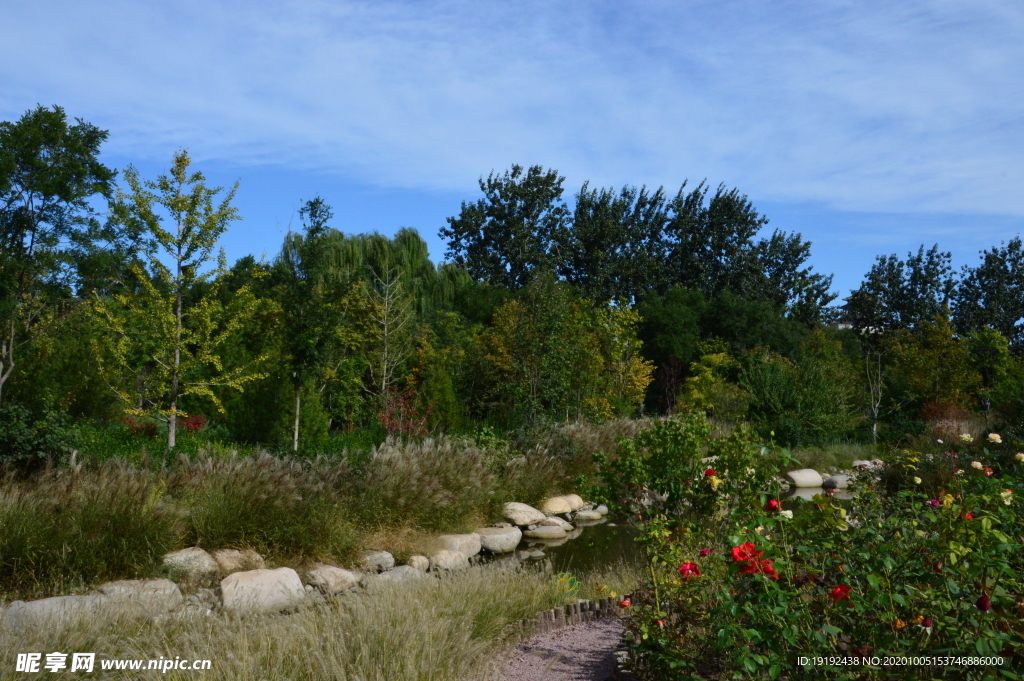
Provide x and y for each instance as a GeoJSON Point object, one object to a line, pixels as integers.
{"type": "Point", "coordinates": [739, 590]}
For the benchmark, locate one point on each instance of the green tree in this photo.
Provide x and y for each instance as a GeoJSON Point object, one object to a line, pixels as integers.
{"type": "Point", "coordinates": [934, 365]}
{"type": "Point", "coordinates": [309, 303]}
{"type": "Point", "coordinates": [513, 232]}
{"type": "Point", "coordinates": [613, 249]}
{"type": "Point", "coordinates": [48, 171]}
{"type": "Point", "coordinates": [898, 294]}
{"type": "Point", "coordinates": [990, 355]}
{"type": "Point", "coordinates": [991, 294]}
{"type": "Point", "coordinates": [162, 344]}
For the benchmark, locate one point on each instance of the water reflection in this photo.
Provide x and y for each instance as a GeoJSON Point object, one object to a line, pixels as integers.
{"type": "Point", "coordinates": [590, 546]}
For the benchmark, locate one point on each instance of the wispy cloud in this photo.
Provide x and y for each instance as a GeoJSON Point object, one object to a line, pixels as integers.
{"type": "Point", "coordinates": [874, 106]}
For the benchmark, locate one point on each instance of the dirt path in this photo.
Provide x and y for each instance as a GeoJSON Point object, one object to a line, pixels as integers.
{"type": "Point", "coordinates": [582, 652]}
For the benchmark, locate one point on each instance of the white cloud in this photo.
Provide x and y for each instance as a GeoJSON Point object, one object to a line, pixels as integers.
{"type": "Point", "coordinates": [872, 106]}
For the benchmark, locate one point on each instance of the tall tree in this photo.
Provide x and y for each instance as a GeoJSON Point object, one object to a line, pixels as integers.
{"type": "Point", "coordinates": [309, 303]}
{"type": "Point", "coordinates": [898, 294]}
{"type": "Point", "coordinates": [48, 171]}
{"type": "Point", "coordinates": [514, 230]}
{"type": "Point", "coordinates": [613, 249]}
{"type": "Point", "coordinates": [163, 339]}
{"type": "Point", "coordinates": [993, 294]}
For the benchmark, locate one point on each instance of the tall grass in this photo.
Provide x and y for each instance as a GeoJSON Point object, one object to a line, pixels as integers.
{"type": "Point", "coordinates": [450, 629]}
{"type": "Point", "coordinates": [833, 458]}
{"type": "Point", "coordinates": [69, 527]}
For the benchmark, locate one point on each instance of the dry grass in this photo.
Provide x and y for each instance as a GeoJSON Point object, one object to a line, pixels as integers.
{"type": "Point", "coordinates": [438, 629]}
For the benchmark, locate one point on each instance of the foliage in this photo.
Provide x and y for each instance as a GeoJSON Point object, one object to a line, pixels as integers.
{"type": "Point", "coordinates": [933, 365]}
{"type": "Point", "coordinates": [27, 443]}
{"type": "Point", "coordinates": [48, 172]}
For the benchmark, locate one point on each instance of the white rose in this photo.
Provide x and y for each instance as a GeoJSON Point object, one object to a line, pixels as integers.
{"type": "Point", "coordinates": [786, 514]}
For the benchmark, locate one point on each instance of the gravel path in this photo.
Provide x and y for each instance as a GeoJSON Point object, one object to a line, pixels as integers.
{"type": "Point", "coordinates": [582, 652]}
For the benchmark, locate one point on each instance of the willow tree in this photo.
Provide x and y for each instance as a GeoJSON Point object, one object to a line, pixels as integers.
{"type": "Point", "coordinates": [163, 339]}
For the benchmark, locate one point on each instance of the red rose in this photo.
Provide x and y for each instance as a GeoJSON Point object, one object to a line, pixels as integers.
{"type": "Point", "coordinates": [624, 603]}
{"type": "Point", "coordinates": [705, 552]}
{"type": "Point", "coordinates": [840, 593]}
{"type": "Point", "coordinates": [969, 516]}
{"type": "Point", "coordinates": [709, 472]}
{"type": "Point", "coordinates": [772, 506]}
{"type": "Point", "coordinates": [984, 603]}
{"type": "Point", "coordinates": [661, 623]}
{"type": "Point", "coordinates": [745, 551]}
{"type": "Point", "coordinates": [689, 571]}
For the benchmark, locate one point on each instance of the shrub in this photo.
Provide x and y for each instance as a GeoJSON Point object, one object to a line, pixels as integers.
{"type": "Point", "coordinates": [743, 588]}
{"type": "Point", "coordinates": [27, 443]}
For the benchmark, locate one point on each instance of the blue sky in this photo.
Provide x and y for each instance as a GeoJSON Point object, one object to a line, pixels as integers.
{"type": "Point", "coordinates": [870, 127]}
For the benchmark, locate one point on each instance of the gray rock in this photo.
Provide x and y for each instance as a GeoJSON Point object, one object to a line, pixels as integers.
{"type": "Point", "coordinates": [192, 565]}
{"type": "Point", "coordinates": [805, 477]}
{"type": "Point", "coordinates": [261, 590]}
{"type": "Point", "coordinates": [332, 580]}
{"type": "Point", "coordinates": [233, 560]}
{"type": "Point", "coordinates": [602, 509]}
{"type": "Point", "coordinates": [448, 560]}
{"type": "Point", "coordinates": [522, 514]}
{"type": "Point", "coordinates": [376, 561]}
{"type": "Point", "coordinates": [587, 515]}
{"type": "Point", "coordinates": [545, 532]}
{"type": "Point", "coordinates": [50, 611]}
{"type": "Point", "coordinates": [466, 544]}
{"type": "Point", "coordinates": [152, 596]}
{"type": "Point", "coordinates": [500, 539]}
{"type": "Point", "coordinates": [556, 505]}
{"type": "Point", "coordinates": [838, 481]}
{"type": "Point", "coordinates": [402, 573]}
{"type": "Point", "coordinates": [421, 563]}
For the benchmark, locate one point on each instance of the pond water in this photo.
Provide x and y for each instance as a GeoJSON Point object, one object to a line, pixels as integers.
{"type": "Point", "coordinates": [597, 546]}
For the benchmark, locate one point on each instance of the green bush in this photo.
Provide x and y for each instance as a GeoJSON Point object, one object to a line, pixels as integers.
{"type": "Point", "coordinates": [27, 442]}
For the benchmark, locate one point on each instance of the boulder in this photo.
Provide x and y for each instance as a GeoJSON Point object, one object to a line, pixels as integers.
{"type": "Point", "coordinates": [448, 560]}
{"type": "Point", "coordinates": [556, 505]}
{"type": "Point", "coordinates": [192, 565]}
{"type": "Point", "coordinates": [421, 563]}
{"type": "Point", "coordinates": [500, 539]}
{"type": "Point", "coordinates": [521, 514]}
{"type": "Point", "coordinates": [545, 532]}
{"type": "Point", "coordinates": [805, 477]}
{"type": "Point", "coordinates": [575, 501]}
{"type": "Point", "coordinates": [49, 611]}
{"type": "Point", "coordinates": [233, 560]}
{"type": "Point", "coordinates": [587, 516]}
{"type": "Point", "coordinates": [402, 573]}
{"type": "Point", "coordinates": [555, 521]}
{"type": "Point", "coordinates": [466, 544]}
{"type": "Point", "coordinates": [332, 580]}
{"type": "Point", "coordinates": [256, 590]}
{"type": "Point", "coordinates": [602, 509]}
{"type": "Point", "coordinates": [152, 596]}
{"type": "Point", "coordinates": [838, 481]}
{"type": "Point", "coordinates": [376, 561]}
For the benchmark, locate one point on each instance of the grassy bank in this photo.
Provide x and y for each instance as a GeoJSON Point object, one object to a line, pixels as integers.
{"type": "Point", "coordinates": [452, 628]}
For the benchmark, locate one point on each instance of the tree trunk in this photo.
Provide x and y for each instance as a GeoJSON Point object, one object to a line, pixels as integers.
{"type": "Point", "coordinates": [6, 359]}
{"type": "Point", "coordinates": [295, 431]}
{"type": "Point", "coordinates": [172, 423]}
